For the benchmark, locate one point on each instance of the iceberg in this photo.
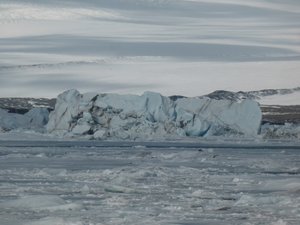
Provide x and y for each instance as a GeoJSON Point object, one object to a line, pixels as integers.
{"type": "Point", "coordinates": [151, 116]}
{"type": "Point", "coordinates": [34, 119]}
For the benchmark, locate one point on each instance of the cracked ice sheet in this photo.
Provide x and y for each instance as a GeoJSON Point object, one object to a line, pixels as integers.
{"type": "Point", "coordinates": [115, 185]}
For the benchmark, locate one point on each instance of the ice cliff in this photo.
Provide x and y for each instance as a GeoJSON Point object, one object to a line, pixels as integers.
{"type": "Point", "coordinates": [35, 119]}
{"type": "Point", "coordinates": [151, 116]}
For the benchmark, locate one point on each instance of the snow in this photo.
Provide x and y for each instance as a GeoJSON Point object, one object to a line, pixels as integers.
{"type": "Point", "coordinates": [286, 99]}
{"type": "Point", "coordinates": [151, 115]}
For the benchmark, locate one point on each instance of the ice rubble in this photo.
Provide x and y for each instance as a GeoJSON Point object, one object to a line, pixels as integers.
{"type": "Point", "coordinates": [34, 119]}
{"type": "Point", "coordinates": [151, 115]}
{"type": "Point", "coordinates": [39, 203]}
{"type": "Point", "coordinates": [285, 131]}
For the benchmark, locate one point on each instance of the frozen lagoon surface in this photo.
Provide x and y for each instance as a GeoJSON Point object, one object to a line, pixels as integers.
{"type": "Point", "coordinates": [86, 182]}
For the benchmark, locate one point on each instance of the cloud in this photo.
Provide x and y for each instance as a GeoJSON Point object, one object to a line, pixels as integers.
{"type": "Point", "coordinates": [286, 6]}
{"type": "Point", "coordinates": [49, 85]}
{"type": "Point", "coordinates": [55, 81]}
{"type": "Point", "coordinates": [17, 11]}
{"type": "Point", "coordinates": [171, 46]}
{"type": "Point", "coordinates": [80, 45]}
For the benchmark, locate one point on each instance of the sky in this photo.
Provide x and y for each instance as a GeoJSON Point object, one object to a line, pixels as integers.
{"type": "Point", "coordinates": [184, 47]}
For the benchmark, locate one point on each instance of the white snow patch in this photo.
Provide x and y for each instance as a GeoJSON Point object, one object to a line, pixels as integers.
{"type": "Point", "coordinates": [287, 99]}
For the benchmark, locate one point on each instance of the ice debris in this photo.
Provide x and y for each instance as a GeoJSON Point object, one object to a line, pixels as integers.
{"type": "Point", "coordinates": [276, 131]}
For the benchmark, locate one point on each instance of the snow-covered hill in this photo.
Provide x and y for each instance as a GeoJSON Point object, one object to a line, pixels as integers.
{"type": "Point", "coordinates": [264, 97]}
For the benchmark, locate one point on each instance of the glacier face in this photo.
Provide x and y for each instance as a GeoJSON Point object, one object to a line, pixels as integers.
{"type": "Point", "coordinates": [151, 116]}
{"type": "Point", "coordinates": [34, 119]}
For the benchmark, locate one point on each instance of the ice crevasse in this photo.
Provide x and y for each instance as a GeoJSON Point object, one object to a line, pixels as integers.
{"type": "Point", "coordinates": [151, 116]}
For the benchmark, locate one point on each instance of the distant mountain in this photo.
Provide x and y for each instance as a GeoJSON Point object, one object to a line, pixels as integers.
{"type": "Point", "coordinates": [261, 96]}
{"type": "Point", "coordinates": [228, 95]}
{"type": "Point", "coordinates": [254, 95]}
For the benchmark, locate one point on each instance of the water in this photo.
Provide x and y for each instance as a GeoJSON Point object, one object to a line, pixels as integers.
{"type": "Point", "coordinates": [87, 183]}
